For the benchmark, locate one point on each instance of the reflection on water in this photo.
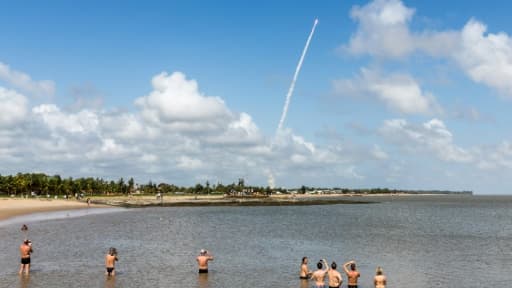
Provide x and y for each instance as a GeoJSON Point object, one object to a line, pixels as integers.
{"type": "Point", "coordinates": [420, 242]}
{"type": "Point", "coordinates": [110, 282]}
{"type": "Point", "coordinates": [24, 281]}
{"type": "Point", "coordinates": [202, 280]}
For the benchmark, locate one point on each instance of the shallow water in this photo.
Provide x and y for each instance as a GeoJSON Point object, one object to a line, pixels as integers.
{"type": "Point", "coordinates": [439, 241]}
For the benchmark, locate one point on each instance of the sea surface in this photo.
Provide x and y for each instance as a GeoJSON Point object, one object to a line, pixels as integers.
{"type": "Point", "coordinates": [420, 241]}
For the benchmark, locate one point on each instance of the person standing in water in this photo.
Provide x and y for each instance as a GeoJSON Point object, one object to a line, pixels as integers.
{"type": "Point", "coordinates": [352, 275]}
{"type": "Point", "coordinates": [202, 261]}
{"type": "Point", "coordinates": [319, 275]}
{"type": "Point", "coordinates": [334, 276]}
{"type": "Point", "coordinates": [110, 262]}
{"type": "Point", "coordinates": [379, 280]}
{"type": "Point", "coordinates": [25, 251]}
{"type": "Point", "coordinates": [304, 270]}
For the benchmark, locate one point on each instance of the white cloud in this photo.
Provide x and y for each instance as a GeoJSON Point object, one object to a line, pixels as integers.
{"type": "Point", "coordinates": [176, 104]}
{"type": "Point", "coordinates": [399, 92]}
{"type": "Point", "coordinates": [24, 82]}
{"type": "Point", "coordinates": [431, 137]}
{"type": "Point", "coordinates": [487, 58]}
{"type": "Point", "coordinates": [82, 122]}
{"type": "Point", "coordinates": [13, 107]}
{"type": "Point", "coordinates": [383, 32]}
{"type": "Point", "coordinates": [382, 29]}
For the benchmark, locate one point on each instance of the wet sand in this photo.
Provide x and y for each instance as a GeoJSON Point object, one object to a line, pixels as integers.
{"type": "Point", "coordinates": [11, 207]}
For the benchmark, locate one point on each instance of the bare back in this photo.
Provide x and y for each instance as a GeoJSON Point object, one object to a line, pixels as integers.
{"type": "Point", "coordinates": [319, 277]}
{"type": "Point", "coordinates": [202, 261]}
{"type": "Point", "coordinates": [110, 261]}
{"type": "Point", "coordinates": [25, 251]}
{"type": "Point", "coordinates": [335, 279]}
{"type": "Point", "coordinates": [352, 277]}
{"type": "Point", "coordinates": [380, 281]}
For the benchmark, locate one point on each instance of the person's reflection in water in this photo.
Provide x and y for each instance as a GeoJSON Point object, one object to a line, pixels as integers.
{"type": "Point", "coordinates": [110, 282]}
{"type": "Point", "coordinates": [304, 283]}
{"type": "Point", "coordinates": [25, 281]}
{"type": "Point", "coordinates": [202, 280]}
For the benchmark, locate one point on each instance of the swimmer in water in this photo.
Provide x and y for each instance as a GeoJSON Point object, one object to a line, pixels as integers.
{"type": "Point", "coordinates": [304, 270]}
{"type": "Point", "coordinates": [319, 275]}
{"type": "Point", "coordinates": [202, 261]}
{"type": "Point", "coordinates": [110, 261]}
{"type": "Point", "coordinates": [352, 275]}
{"type": "Point", "coordinates": [334, 276]}
{"type": "Point", "coordinates": [25, 251]}
{"type": "Point", "coordinates": [379, 280]}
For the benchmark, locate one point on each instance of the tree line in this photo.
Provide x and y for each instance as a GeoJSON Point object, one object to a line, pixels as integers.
{"type": "Point", "coordinates": [42, 184]}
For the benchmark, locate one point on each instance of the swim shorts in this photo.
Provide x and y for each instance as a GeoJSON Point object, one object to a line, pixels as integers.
{"type": "Point", "coordinates": [25, 261]}
{"type": "Point", "coordinates": [203, 271]}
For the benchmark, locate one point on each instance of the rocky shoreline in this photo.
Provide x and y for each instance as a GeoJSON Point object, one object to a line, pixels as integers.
{"type": "Point", "coordinates": [137, 203]}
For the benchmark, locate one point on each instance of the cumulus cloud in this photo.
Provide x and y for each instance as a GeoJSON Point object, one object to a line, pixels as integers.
{"type": "Point", "coordinates": [175, 134]}
{"type": "Point", "coordinates": [383, 32]}
{"type": "Point", "coordinates": [24, 82]}
{"type": "Point", "coordinates": [431, 136]}
{"type": "Point", "coordinates": [176, 104]}
{"type": "Point", "coordinates": [487, 58]}
{"type": "Point", "coordinates": [82, 122]}
{"type": "Point", "coordinates": [399, 92]}
{"type": "Point", "coordinates": [13, 108]}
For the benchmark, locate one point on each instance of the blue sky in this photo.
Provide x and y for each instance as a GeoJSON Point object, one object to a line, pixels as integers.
{"type": "Point", "coordinates": [398, 94]}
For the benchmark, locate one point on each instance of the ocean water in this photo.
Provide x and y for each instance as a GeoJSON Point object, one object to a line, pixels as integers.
{"type": "Point", "coordinates": [420, 241]}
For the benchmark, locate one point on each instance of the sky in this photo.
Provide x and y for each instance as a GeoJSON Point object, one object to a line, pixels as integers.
{"type": "Point", "coordinates": [391, 94]}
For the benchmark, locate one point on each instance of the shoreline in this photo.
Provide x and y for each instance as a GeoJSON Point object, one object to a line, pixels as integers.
{"type": "Point", "coordinates": [13, 207]}
{"type": "Point", "coordinates": [220, 200]}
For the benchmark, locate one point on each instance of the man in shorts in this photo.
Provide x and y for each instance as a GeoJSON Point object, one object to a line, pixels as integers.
{"type": "Point", "coordinates": [202, 261]}
{"type": "Point", "coordinates": [110, 262]}
{"type": "Point", "coordinates": [334, 276]}
{"type": "Point", "coordinates": [25, 251]}
{"type": "Point", "coordinates": [352, 275]}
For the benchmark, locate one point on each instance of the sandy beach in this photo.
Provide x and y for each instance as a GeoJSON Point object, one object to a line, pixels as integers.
{"type": "Point", "coordinates": [11, 207]}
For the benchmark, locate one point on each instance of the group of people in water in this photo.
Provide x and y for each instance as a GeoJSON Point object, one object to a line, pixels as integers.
{"type": "Point", "coordinates": [110, 259]}
{"type": "Point", "coordinates": [334, 277]}
{"type": "Point", "coordinates": [319, 276]}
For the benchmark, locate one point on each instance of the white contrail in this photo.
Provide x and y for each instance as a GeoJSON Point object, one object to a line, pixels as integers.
{"type": "Point", "coordinates": [297, 70]}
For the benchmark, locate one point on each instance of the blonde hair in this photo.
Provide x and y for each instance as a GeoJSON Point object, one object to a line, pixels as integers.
{"type": "Point", "coordinates": [379, 271]}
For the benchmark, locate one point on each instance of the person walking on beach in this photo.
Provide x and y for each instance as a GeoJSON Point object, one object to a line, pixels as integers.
{"type": "Point", "coordinates": [319, 275]}
{"type": "Point", "coordinates": [334, 276]}
{"type": "Point", "coordinates": [352, 275]}
{"type": "Point", "coordinates": [110, 262]}
{"type": "Point", "coordinates": [202, 261]}
{"type": "Point", "coordinates": [25, 251]}
{"type": "Point", "coordinates": [304, 270]}
{"type": "Point", "coordinates": [379, 280]}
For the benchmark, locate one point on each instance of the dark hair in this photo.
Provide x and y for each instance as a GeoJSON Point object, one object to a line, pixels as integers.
{"type": "Point", "coordinates": [353, 266]}
{"type": "Point", "coordinates": [333, 265]}
{"type": "Point", "coordinates": [304, 258]}
{"type": "Point", "coordinates": [319, 265]}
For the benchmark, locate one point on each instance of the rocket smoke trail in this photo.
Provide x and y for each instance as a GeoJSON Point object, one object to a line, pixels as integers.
{"type": "Point", "coordinates": [297, 70]}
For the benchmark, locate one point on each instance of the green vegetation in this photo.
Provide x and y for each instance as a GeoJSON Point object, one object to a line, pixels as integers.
{"type": "Point", "coordinates": [42, 184]}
